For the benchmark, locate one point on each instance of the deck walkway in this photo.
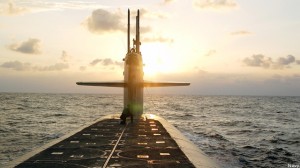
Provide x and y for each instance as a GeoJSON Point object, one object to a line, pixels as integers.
{"type": "Point", "coordinates": [106, 143]}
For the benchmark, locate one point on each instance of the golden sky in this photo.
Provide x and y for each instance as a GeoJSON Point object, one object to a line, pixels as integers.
{"type": "Point", "coordinates": [232, 47]}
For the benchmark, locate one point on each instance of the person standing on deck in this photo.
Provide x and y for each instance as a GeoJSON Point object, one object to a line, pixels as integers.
{"type": "Point", "coordinates": [126, 113]}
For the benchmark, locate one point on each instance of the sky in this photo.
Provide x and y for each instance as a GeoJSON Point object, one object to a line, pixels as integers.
{"type": "Point", "coordinates": [222, 47]}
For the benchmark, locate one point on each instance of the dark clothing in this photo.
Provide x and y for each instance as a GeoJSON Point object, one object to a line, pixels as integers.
{"type": "Point", "coordinates": [126, 113]}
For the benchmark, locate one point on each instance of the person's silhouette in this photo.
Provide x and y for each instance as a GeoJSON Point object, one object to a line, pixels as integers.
{"type": "Point", "coordinates": [126, 113]}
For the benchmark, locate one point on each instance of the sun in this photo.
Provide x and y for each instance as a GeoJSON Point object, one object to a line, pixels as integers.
{"type": "Point", "coordinates": [151, 66]}
{"type": "Point", "coordinates": [156, 61]}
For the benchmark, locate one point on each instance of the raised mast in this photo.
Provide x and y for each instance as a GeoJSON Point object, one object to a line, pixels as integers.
{"type": "Point", "coordinates": [128, 32]}
{"type": "Point", "coordinates": [137, 42]}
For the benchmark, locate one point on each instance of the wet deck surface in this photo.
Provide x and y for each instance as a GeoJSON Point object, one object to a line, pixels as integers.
{"type": "Point", "coordinates": [145, 143]}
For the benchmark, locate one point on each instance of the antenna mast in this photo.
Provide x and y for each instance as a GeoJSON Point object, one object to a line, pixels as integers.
{"type": "Point", "coordinates": [128, 32]}
{"type": "Point", "coordinates": [137, 42]}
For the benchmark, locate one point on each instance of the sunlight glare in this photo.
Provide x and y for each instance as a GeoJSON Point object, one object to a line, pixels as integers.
{"type": "Point", "coordinates": [157, 61]}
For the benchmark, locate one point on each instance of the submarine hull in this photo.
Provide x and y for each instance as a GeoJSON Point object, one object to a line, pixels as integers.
{"type": "Point", "coordinates": [149, 141]}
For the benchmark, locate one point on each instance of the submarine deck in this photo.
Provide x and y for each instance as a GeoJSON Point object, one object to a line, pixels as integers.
{"type": "Point", "coordinates": [144, 143]}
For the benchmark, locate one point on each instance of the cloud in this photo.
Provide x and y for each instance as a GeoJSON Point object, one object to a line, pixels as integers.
{"type": "Point", "coordinates": [16, 65]}
{"type": "Point", "coordinates": [145, 29]}
{"type": "Point", "coordinates": [158, 39]}
{"type": "Point", "coordinates": [104, 21]}
{"type": "Point", "coordinates": [21, 7]}
{"type": "Point", "coordinates": [59, 5]}
{"type": "Point", "coordinates": [144, 13]}
{"type": "Point", "coordinates": [31, 46]}
{"type": "Point", "coordinates": [260, 60]}
{"type": "Point", "coordinates": [55, 67]}
{"type": "Point", "coordinates": [286, 61]}
{"type": "Point", "coordinates": [210, 53]}
{"type": "Point", "coordinates": [241, 32]}
{"type": "Point", "coordinates": [215, 4]}
{"type": "Point", "coordinates": [95, 62]}
{"type": "Point", "coordinates": [168, 1]}
{"type": "Point", "coordinates": [19, 66]}
{"type": "Point", "coordinates": [82, 68]}
{"type": "Point", "coordinates": [12, 9]}
{"type": "Point", "coordinates": [65, 57]}
{"type": "Point", "coordinates": [106, 62]}
{"type": "Point", "coordinates": [118, 63]}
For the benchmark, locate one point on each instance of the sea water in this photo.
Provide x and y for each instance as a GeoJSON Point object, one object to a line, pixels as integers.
{"type": "Point", "coordinates": [235, 131]}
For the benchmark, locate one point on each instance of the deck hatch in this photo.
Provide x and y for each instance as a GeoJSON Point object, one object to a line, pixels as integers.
{"type": "Point", "coordinates": [74, 142]}
{"type": "Point", "coordinates": [57, 153]}
{"type": "Point", "coordinates": [76, 156]}
{"type": "Point", "coordinates": [160, 142]}
{"type": "Point", "coordinates": [142, 143]}
{"type": "Point", "coordinates": [142, 156]}
{"type": "Point", "coordinates": [164, 154]}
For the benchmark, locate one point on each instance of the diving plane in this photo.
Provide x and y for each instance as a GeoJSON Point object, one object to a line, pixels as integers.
{"type": "Point", "coordinates": [134, 82]}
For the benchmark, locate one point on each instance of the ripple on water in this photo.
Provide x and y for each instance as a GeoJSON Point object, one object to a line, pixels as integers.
{"type": "Point", "coordinates": [237, 131]}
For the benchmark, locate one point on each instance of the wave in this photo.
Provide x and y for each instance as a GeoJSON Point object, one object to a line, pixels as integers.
{"type": "Point", "coordinates": [240, 131]}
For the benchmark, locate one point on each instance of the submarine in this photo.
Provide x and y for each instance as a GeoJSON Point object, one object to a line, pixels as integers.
{"type": "Point", "coordinates": [147, 141]}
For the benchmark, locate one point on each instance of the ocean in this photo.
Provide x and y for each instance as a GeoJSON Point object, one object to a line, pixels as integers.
{"type": "Point", "coordinates": [235, 131]}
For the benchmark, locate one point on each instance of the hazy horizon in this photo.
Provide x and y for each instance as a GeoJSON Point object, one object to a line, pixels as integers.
{"type": "Point", "coordinates": [145, 94]}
